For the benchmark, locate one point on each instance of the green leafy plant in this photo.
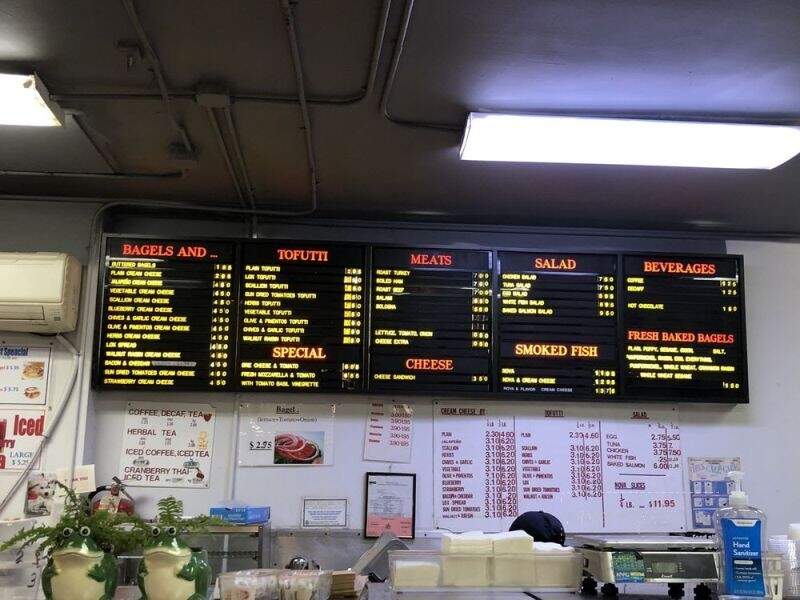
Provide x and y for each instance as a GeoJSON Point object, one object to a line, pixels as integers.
{"type": "Point", "coordinates": [170, 512]}
{"type": "Point", "coordinates": [112, 532]}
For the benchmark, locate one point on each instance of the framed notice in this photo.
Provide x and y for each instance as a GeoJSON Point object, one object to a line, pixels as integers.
{"type": "Point", "coordinates": [391, 504]}
{"type": "Point", "coordinates": [328, 513]}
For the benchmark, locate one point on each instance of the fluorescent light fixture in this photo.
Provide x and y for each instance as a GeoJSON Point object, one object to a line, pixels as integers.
{"type": "Point", "coordinates": [583, 140]}
{"type": "Point", "coordinates": [24, 100]}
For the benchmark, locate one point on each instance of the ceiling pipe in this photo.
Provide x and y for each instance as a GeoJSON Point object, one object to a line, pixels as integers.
{"type": "Point", "coordinates": [237, 150]}
{"type": "Point", "coordinates": [223, 148]}
{"type": "Point", "coordinates": [297, 63]}
{"type": "Point", "coordinates": [155, 66]}
{"type": "Point", "coordinates": [265, 97]}
{"type": "Point", "coordinates": [74, 175]}
{"type": "Point", "coordinates": [390, 79]}
{"type": "Point", "coordinates": [106, 204]}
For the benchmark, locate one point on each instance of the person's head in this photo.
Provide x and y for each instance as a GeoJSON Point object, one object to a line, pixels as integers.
{"type": "Point", "coordinates": [541, 526]}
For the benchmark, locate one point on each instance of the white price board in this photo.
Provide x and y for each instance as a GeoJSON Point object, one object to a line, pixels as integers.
{"type": "Point", "coordinates": [167, 445]}
{"type": "Point", "coordinates": [24, 374]}
{"type": "Point", "coordinates": [597, 469]}
{"type": "Point", "coordinates": [389, 431]}
{"type": "Point", "coordinates": [286, 434]}
{"type": "Point", "coordinates": [20, 435]}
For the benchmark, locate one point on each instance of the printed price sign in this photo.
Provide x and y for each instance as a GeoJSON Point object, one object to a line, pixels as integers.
{"type": "Point", "coordinates": [24, 374]}
{"type": "Point", "coordinates": [20, 434]}
{"type": "Point", "coordinates": [389, 431]}
{"type": "Point", "coordinates": [286, 434]}
{"type": "Point", "coordinates": [167, 446]}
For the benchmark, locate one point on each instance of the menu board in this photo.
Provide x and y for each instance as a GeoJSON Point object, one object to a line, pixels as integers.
{"type": "Point", "coordinates": [297, 316]}
{"type": "Point", "coordinates": [301, 316]}
{"type": "Point", "coordinates": [430, 320]}
{"type": "Point", "coordinates": [615, 469]}
{"type": "Point", "coordinates": [168, 317]}
{"type": "Point", "coordinates": [683, 328]}
{"type": "Point", "coordinates": [557, 324]}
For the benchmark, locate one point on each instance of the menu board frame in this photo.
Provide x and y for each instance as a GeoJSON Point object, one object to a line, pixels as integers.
{"type": "Point", "coordinates": [741, 397]}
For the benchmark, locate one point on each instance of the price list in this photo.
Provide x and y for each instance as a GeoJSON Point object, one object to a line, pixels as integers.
{"type": "Point", "coordinates": [617, 470]}
{"type": "Point", "coordinates": [301, 317]}
{"type": "Point", "coordinates": [430, 320]}
{"type": "Point", "coordinates": [500, 469]}
{"type": "Point", "coordinates": [167, 315]}
{"type": "Point", "coordinates": [557, 324]}
{"type": "Point", "coordinates": [683, 328]}
{"type": "Point", "coordinates": [642, 466]}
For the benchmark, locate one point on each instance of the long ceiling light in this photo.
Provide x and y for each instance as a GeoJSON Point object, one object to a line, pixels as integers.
{"type": "Point", "coordinates": [583, 140]}
{"type": "Point", "coordinates": [24, 100]}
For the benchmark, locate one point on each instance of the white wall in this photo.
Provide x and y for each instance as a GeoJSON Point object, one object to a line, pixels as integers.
{"type": "Point", "coordinates": [762, 433]}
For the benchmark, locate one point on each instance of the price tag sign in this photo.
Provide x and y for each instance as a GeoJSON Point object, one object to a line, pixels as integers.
{"type": "Point", "coordinates": [286, 434]}
{"type": "Point", "coordinates": [389, 431]}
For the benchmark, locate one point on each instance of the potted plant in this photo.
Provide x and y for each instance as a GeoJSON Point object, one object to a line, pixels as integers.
{"type": "Point", "coordinates": [79, 550]}
{"type": "Point", "coordinates": [170, 569]}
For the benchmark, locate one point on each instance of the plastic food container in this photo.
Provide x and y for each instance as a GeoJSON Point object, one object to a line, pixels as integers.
{"type": "Point", "coordinates": [275, 584]}
{"type": "Point", "coordinates": [417, 570]}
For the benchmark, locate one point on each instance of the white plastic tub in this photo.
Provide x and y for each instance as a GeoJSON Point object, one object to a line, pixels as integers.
{"type": "Point", "coordinates": [417, 570]}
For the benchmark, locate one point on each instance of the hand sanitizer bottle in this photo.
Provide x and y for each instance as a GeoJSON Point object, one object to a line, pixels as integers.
{"type": "Point", "coordinates": [741, 536]}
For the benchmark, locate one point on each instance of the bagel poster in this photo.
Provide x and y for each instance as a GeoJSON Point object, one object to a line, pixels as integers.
{"type": "Point", "coordinates": [286, 434]}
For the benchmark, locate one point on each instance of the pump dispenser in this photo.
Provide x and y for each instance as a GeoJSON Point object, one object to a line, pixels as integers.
{"type": "Point", "coordinates": [741, 536]}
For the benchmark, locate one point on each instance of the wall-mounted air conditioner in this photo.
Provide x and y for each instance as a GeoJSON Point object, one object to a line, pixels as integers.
{"type": "Point", "coordinates": [39, 292]}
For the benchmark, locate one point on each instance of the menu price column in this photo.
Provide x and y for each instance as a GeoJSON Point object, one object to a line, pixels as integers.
{"type": "Point", "coordinates": [222, 319]}
{"type": "Point", "coordinates": [500, 468]}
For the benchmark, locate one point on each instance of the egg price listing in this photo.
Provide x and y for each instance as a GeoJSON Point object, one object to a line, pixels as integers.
{"type": "Point", "coordinates": [286, 434]}
{"type": "Point", "coordinates": [20, 435]}
{"type": "Point", "coordinates": [167, 445]}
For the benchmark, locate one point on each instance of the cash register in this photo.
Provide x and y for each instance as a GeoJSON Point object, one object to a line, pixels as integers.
{"type": "Point", "coordinates": [659, 559]}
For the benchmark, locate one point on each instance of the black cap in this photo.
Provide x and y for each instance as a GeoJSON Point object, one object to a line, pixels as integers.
{"type": "Point", "coordinates": [541, 526]}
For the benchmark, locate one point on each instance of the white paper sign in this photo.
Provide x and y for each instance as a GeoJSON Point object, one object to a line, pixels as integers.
{"type": "Point", "coordinates": [167, 445]}
{"type": "Point", "coordinates": [83, 480]}
{"type": "Point", "coordinates": [325, 512]}
{"type": "Point", "coordinates": [286, 433]}
{"type": "Point", "coordinates": [596, 469]}
{"type": "Point", "coordinates": [389, 431]}
{"type": "Point", "coordinates": [20, 435]}
{"type": "Point", "coordinates": [24, 374]}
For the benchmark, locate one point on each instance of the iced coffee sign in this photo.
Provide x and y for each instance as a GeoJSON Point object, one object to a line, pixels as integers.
{"type": "Point", "coordinates": [20, 435]}
{"type": "Point", "coordinates": [167, 445]}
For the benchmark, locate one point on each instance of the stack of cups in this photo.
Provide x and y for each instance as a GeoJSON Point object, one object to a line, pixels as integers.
{"type": "Point", "coordinates": [788, 546]}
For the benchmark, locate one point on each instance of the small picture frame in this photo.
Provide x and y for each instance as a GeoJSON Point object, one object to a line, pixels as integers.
{"type": "Point", "coordinates": [324, 513]}
{"type": "Point", "coordinates": [390, 504]}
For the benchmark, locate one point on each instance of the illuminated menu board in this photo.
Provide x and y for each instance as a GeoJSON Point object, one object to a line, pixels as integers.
{"type": "Point", "coordinates": [557, 325]}
{"type": "Point", "coordinates": [683, 328]}
{"type": "Point", "coordinates": [168, 315]}
{"type": "Point", "coordinates": [301, 316]}
{"type": "Point", "coordinates": [431, 320]}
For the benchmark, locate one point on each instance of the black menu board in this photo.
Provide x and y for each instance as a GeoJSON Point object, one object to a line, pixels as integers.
{"type": "Point", "coordinates": [683, 328]}
{"type": "Point", "coordinates": [301, 316]}
{"type": "Point", "coordinates": [430, 320]}
{"type": "Point", "coordinates": [167, 316]}
{"type": "Point", "coordinates": [557, 326]}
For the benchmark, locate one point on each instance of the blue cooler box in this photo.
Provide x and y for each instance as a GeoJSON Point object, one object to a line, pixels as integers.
{"type": "Point", "coordinates": [241, 515]}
